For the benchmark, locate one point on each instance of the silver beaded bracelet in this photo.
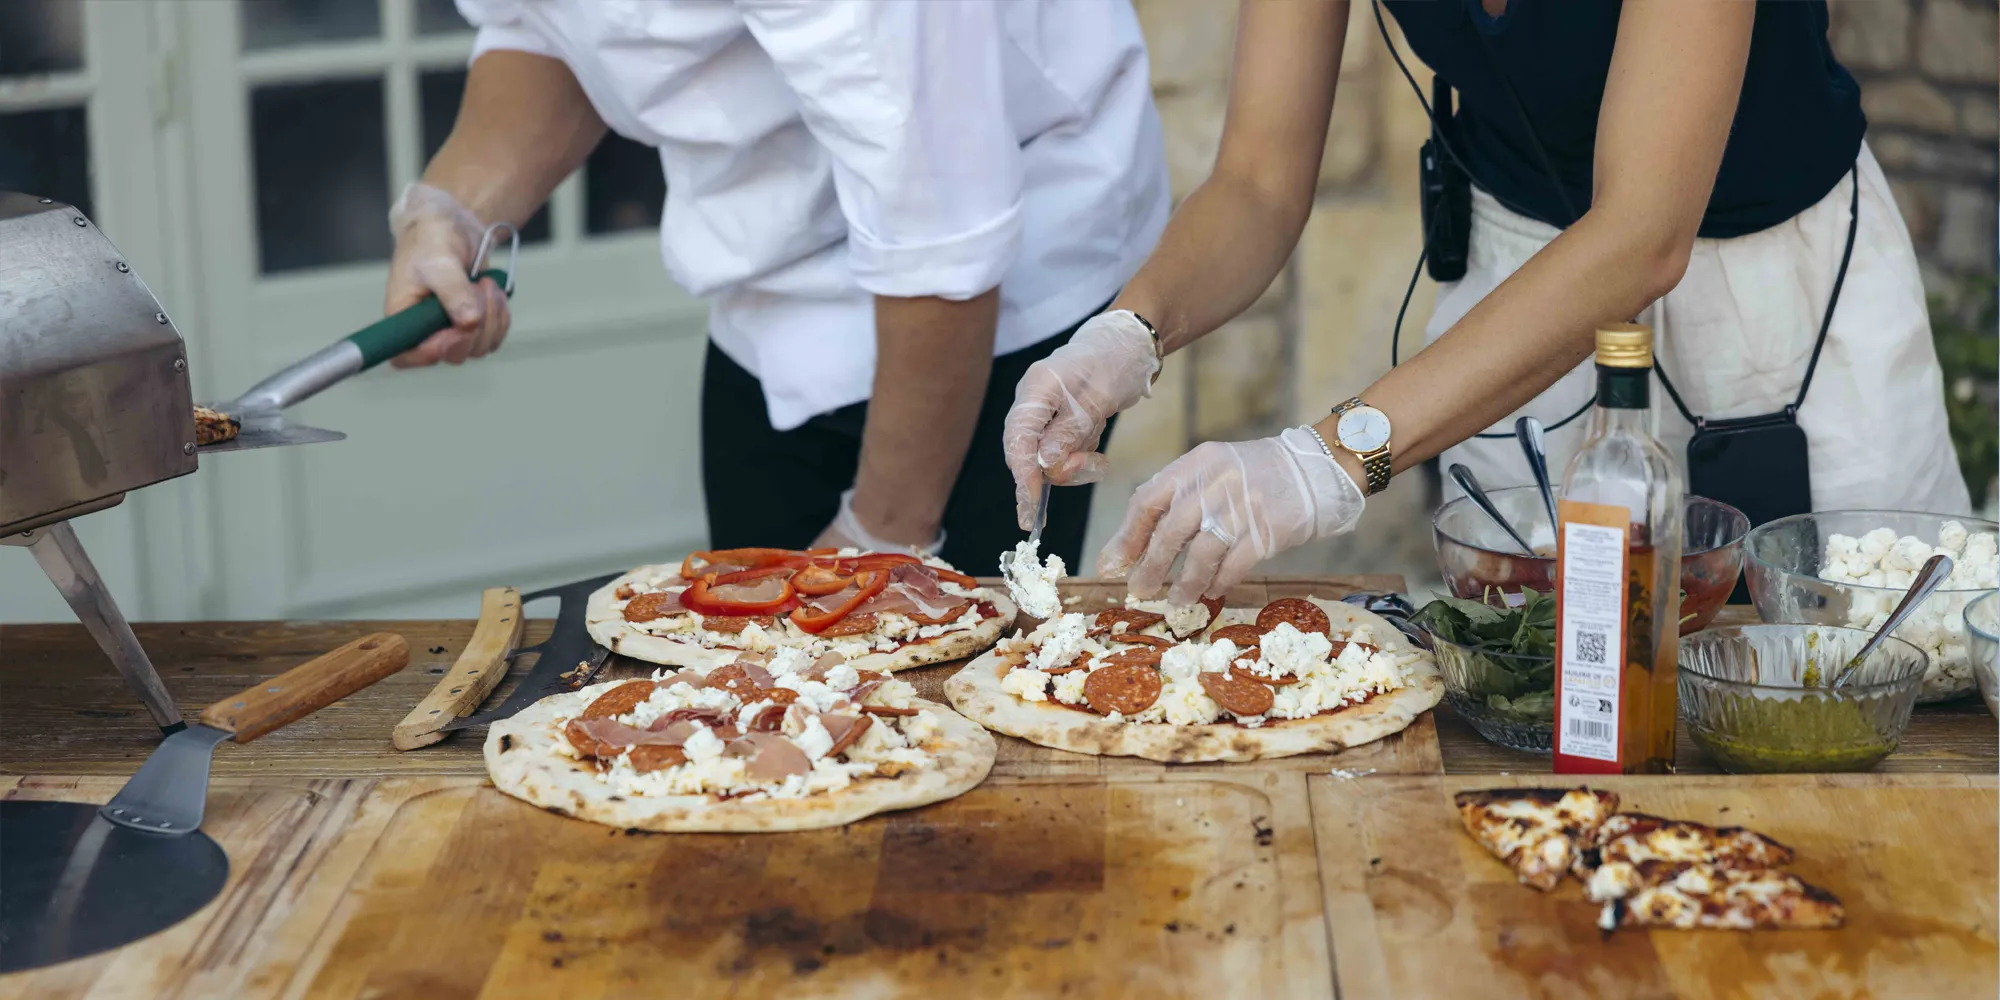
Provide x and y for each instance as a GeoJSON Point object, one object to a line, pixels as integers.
{"type": "Point", "coordinates": [1314, 431]}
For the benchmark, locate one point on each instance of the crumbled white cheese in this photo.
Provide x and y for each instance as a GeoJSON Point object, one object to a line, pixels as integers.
{"type": "Point", "coordinates": [815, 740]}
{"type": "Point", "coordinates": [922, 727]}
{"type": "Point", "coordinates": [1291, 651]}
{"type": "Point", "coordinates": [1217, 657]}
{"type": "Point", "coordinates": [1027, 685]}
{"type": "Point", "coordinates": [1182, 662]}
{"type": "Point", "coordinates": [1183, 620]}
{"type": "Point", "coordinates": [813, 694]}
{"type": "Point", "coordinates": [787, 660]}
{"type": "Point", "coordinates": [702, 745]}
{"type": "Point", "coordinates": [843, 678]}
{"type": "Point", "coordinates": [1032, 583]}
{"type": "Point", "coordinates": [1061, 638]}
{"type": "Point", "coordinates": [1069, 687]}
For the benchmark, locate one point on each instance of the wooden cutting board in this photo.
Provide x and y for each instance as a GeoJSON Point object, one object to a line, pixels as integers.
{"type": "Point", "coordinates": [1418, 909]}
{"type": "Point", "coordinates": [1166, 886]}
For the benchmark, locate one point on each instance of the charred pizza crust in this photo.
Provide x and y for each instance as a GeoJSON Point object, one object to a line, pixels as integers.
{"type": "Point", "coordinates": [1541, 833]}
{"type": "Point", "coordinates": [605, 620]}
{"type": "Point", "coordinates": [528, 757]}
{"type": "Point", "coordinates": [977, 691]}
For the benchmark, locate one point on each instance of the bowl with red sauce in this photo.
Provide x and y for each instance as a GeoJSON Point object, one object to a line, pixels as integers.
{"type": "Point", "coordinates": [1479, 561]}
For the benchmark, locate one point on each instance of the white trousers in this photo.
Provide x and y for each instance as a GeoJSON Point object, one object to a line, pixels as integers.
{"type": "Point", "coordinates": [1735, 336]}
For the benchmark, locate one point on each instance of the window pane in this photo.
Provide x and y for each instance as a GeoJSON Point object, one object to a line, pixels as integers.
{"type": "Point", "coordinates": [622, 186]}
{"type": "Point", "coordinates": [41, 36]}
{"type": "Point", "coordinates": [439, 92]}
{"type": "Point", "coordinates": [270, 24]}
{"type": "Point", "coordinates": [46, 153]}
{"type": "Point", "coordinates": [439, 17]}
{"type": "Point", "coordinates": [322, 169]}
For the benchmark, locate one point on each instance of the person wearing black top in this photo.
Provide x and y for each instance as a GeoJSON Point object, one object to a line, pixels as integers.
{"type": "Point", "coordinates": [1698, 165]}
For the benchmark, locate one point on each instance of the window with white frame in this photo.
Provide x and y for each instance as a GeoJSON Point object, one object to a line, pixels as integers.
{"type": "Point", "coordinates": [45, 90]}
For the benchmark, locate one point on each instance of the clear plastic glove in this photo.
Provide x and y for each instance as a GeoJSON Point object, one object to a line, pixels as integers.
{"type": "Point", "coordinates": [1230, 505]}
{"type": "Point", "coordinates": [1062, 404]}
{"type": "Point", "coordinates": [435, 240]}
{"type": "Point", "coordinates": [847, 531]}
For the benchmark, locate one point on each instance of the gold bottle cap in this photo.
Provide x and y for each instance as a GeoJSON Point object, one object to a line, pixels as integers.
{"type": "Point", "coordinates": [1625, 345]}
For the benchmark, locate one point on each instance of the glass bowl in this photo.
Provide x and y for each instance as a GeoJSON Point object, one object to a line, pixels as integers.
{"type": "Point", "coordinates": [1783, 560]}
{"type": "Point", "coordinates": [1508, 698]}
{"type": "Point", "coordinates": [1743, 697]}
{"type": "Point", "coordinates": [1982, 640]}
{"type": "Point", "coordinates": [1474, 554]}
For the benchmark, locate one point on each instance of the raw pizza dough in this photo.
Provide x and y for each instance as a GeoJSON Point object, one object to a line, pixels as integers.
{"type": "Point", "coordinates": [604, 618]}
{"type": "Point", "coordinates": [976, 691]}
{"type": "Point", "coordinates": [528, 758]}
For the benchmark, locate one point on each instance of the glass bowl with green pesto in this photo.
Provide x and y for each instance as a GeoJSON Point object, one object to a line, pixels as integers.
{"type": "Point", "coordinates": [1788, 698]}
{"type": "Point", "coordinates": [1499, 665]}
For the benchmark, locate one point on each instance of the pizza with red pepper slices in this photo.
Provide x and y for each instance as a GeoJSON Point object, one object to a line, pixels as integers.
{"type": "Point", "coordinates": [881, 611]}
{"type": "Point", "coordinates": [772, 742]}
{"type": "Point", "coordinates": [1299, 675]}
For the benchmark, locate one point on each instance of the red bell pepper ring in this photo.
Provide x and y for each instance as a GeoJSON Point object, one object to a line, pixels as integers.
{"type": "Point", "coordinates": [952, 576]}
{"type": "Point", "coordinates": [877, 561]}
{"type": "Point", "coordinates": [817, 580]}
{"type": "Point", "coordinates": [708, 595]}
{"type": "Point", "coordinates": [868, 583]}
{"type": "Point", "coordinates": [698, 564]}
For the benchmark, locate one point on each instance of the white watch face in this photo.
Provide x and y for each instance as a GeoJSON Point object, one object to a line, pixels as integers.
{"type": "Point", "coordinates": [1363, 429]}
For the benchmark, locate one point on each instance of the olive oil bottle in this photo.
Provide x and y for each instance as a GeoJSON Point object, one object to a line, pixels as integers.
{"type": "Point", "coordinates": [1618, 553]}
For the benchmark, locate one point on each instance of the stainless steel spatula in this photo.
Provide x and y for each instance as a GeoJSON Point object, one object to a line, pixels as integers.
{"type": "Point", "coordinates": [76, 879]}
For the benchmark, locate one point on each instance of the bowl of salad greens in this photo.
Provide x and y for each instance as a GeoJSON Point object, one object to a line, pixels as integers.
{"type": "Point", "coordinates": [1499, 664]}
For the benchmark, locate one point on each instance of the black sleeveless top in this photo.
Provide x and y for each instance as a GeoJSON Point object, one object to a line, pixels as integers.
{"type": "Point", "coordinates": [1797, 129]}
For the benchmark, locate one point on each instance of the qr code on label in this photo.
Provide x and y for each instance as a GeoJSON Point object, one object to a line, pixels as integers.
{"type": "Point", "coordinates": [1590, 646]}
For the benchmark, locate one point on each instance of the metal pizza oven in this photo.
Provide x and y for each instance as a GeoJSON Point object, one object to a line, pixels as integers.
{"type": "Point", "coordinates": [94, 402]}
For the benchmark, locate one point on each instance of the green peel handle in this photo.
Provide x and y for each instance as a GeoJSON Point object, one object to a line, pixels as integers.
{"type": "Point", "coordinates": [392, 335]}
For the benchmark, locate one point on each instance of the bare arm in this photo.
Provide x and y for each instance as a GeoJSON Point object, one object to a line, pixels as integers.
{"type": "Point", "coordinates": [1668, 103]}
{"type": "Point", "coordinates": [1228, 240]}
{"type": "Point", "coordinates": [932, 359]}
{"type": "Point", "coordinates": [523, 126]}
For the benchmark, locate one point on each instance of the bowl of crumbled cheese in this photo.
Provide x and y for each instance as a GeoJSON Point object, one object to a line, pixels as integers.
{"type": "Point", "coordinates": [1852, 567]}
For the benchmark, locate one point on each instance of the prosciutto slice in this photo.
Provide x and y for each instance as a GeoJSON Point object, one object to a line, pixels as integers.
{"type": "Point", "coordinates": [618, 734]}
{"type": "Point", "coordinates": [772, 757]}
{"type": "Point", "coordinates": [709, 717]}
{"type": "Point", "coordinates": [905, 598]}
{"type": "Point", "coordinates": [691, 678]}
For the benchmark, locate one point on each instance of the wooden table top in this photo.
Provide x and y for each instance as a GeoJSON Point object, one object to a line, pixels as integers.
{"type": "Point", "coordinates": [64, 710]}
{"type": "Point", "coordinates": [358, 871]}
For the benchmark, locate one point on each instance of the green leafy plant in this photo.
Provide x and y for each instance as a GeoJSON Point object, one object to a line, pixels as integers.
{"type": "Point", "coordinates": [1966, 351]}
{"type": "Point", "coordinates": [1511, 650]}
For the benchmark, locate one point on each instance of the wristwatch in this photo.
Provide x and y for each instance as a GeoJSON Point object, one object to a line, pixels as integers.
{"type": "Point", "coordinates": [1364, 430]}
{"type": "Point", "coordinates": [1159, 349]}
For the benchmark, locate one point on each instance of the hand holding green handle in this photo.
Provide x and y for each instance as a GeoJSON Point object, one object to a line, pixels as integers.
{"type": "Point", "coordinates": [392, 335]}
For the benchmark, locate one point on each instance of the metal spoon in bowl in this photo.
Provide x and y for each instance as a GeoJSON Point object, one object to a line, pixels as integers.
{"type": "Point", "coordinates": [1463, 477]}
{"type": "Point", "coordinates": [1528, 431]}
{"type": "Point", "coordinates": [1935, 570]}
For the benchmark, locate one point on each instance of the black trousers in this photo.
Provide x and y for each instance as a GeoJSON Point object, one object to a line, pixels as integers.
{"type": "Point", "coordinates": [780, 488]}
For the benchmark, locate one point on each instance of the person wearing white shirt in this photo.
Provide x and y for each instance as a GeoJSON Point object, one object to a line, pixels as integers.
{"type": "Point", "coordinates": [893, 207]}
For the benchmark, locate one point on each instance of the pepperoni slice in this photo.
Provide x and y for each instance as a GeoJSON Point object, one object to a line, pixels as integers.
{"type": "Point", "coordinates": [778, 696]}
{"type": "Point", "coordinates": [888, 710]}
{"type": "Point", "coordinates": [1082, 662]}
{"type": "Point", "coordinates": [1244, 636]}
{"type": "Point", "coordinates": [1214, 606]}
{"type": "Point", "coordinates": [1237, 693]}
{"type": "Point", "coordinates": [732, 624]}
{"type": "Point", "coordinates": [846, 739]}
{"type": "Point", "coordinates": [619, 700]}
{"type": "Point", "coordinates": [1125, 688]}
{"type": "Point", "coordinates": [1282, 680]}
{"type": "Point", "coordinates": [1340, 645]}
{"type": "Point", "coordinates": [1143, 640]}
{"type": "Point", "coordinates": [850, 625]}
{"type": "Point", "coordinates": [735, 680]}
{"type": "Point", "coordinates": [646, 607]}
{"type": "Point", "coordinates": [1137, 656]}
{"type": "Point", "coordinates": [946, 617]}
{"type": "Point", "coordinates": [579, 737]}
{"type": "Point", "coordinates": [1303, 615]}
{"type": "Point", "coordinates": [656, 758]}
{"type": "Point", "coordinates": [871, 675]}
{"type": "Point", "coordinates": [1134, 619]}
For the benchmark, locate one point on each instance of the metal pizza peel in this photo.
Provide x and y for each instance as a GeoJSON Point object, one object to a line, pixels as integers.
{"type": "Point", "coordinates": [259, 413]}
{"type": "Point", "coordinates": [77, 879]}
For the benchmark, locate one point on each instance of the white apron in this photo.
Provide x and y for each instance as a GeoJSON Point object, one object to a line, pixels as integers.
{"type": "Point", "coordinates": [1735, 336]}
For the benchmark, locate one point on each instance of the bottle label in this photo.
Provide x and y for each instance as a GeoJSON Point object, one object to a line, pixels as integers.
{"type": "Point", "coordinates": [1590, 639]}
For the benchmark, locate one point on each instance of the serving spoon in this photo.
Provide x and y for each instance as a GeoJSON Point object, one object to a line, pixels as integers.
{"type": "Point", "coordinates": [1933, 573]}
{"type": "Point", "coordinates": [1528, 431]}
{"type": "Point", "coordinates": [1463, 477]}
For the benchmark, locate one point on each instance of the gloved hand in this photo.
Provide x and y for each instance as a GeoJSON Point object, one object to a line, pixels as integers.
{"type": "Point", "coordinates": [1062, 403]}
{"type": "Point", "coordinates": [1230, 505]}
{"type": "Point", "coordinates": [846, 531]}
{"type": "Point", "coordinates": [435, 240]}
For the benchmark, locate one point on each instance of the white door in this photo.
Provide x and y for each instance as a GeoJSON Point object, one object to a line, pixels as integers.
{"type": "Point", "coordinates": [289, 127]}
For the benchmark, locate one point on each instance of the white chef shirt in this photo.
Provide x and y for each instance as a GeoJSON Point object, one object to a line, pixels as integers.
{"type": "Point", "coordinates": [820, 153]}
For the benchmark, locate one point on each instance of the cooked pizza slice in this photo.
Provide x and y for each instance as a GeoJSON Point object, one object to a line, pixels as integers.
{"type": "Point", "coordinates": [1630, 845]}
{"type": "Point", "coordinates": [1538, 832]}
{"type": "Point", "coordinates": [1691, 896]}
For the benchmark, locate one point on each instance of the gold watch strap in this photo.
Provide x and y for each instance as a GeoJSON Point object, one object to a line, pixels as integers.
{"type": "Point", "coordinates": [1159, 354]}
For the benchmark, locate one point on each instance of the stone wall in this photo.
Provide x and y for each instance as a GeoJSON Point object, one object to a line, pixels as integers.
{"type": "Point", "coordinates": [1321, 333]}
